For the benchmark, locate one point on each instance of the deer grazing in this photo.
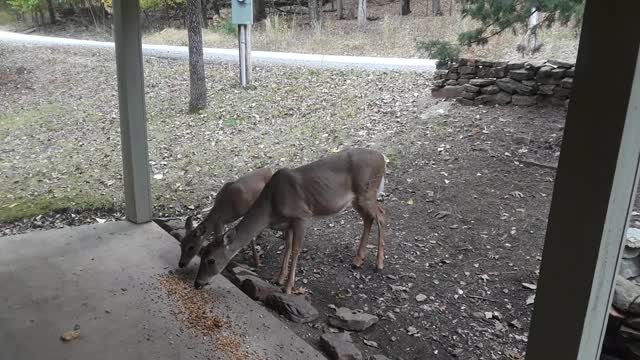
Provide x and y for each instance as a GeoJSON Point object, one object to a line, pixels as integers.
{"type": "Point", "coordinates": [293, 196]}
{"type": "Point", "coordinates": [232, 202]}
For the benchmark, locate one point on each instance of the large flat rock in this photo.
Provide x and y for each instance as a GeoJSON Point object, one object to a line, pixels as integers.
{"type": "Point", "coordinates": [104, 278]}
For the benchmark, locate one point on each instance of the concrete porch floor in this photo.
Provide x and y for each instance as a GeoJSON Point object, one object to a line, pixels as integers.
{"type": "Point", "coordinates": [104, 279]}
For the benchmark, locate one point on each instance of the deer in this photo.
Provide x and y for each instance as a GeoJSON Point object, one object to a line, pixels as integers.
{"type": "Point", "coordinates": [293, 197]}
{"type": "Point", "coordinates": [232, 202]}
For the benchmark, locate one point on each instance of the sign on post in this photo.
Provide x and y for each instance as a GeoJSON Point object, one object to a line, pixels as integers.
{"type": "Point", "coordinates": [242, 15]}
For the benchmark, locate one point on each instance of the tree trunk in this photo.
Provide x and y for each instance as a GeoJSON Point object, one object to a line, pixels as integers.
{"type": "Point", "coordinates": [435, 8]}
{"type": "Point", "coordinates": [41, 12]}
{"type": "Point", "coordinates": [52, 12]}
{"type": "Point", "coordinates": [314, 11]}
{"type": "Point", "coordinates": [405, 7]}
{"type": "Point", "coordinates": [259, 10]}
{"type": "Point", "coordinates": [362, 13]}
{"type": "Point", "coordinates": [205, 10]}
{"type": "Point", "coordinates": [198, 86]}
{"type": "Point", "coordinates": [340, 5]}
{"type": "Point", "coordinates": [216, 7]}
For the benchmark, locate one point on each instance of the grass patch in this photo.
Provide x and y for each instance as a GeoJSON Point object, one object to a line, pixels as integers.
{"type": "Point", "coordinates": [26, 208]}
{"type": "Point", "coordinates": [9, 122]}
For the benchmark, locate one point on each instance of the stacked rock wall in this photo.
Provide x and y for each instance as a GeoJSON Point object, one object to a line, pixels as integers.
{"type": "Point", "coordinates": [479, 82]}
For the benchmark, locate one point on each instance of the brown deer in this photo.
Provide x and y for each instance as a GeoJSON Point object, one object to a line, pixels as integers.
{"type": "Point", "coordinates": [232, 202]}
{"type": "Point", "coordinates": [293, 196]}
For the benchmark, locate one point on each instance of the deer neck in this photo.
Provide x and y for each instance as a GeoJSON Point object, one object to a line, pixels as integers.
{"type": "Point", "coordinates": [257, 219]}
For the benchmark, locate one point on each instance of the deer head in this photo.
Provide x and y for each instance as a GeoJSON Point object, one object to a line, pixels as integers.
{"type": "Point", "coordinates": [214, 258]}
{"type": "Point", "coordinates": [191, 243]}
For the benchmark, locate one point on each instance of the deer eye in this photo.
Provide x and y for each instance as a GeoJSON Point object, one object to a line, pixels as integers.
{"type": "Point", "coordinates": [190, 248]}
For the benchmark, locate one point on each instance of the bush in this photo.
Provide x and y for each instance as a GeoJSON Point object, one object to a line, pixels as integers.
{"type": "Point", "coordinates": [439, 50]}
{"type": "Point", "coordinates": [228, 27]}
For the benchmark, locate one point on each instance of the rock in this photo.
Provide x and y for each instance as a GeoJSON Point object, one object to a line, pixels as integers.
{"type": "Point", "coordinates": [625, 296]}
{"type": "Point", "coordinates": [295, 308]}
{"type": "Point", "coordinates": [511, 86]}
{"type": "Point", "coordinates": [561, 93]}
{"type": "Point", "coordinates": [521, 140]}
{"type": "Point", "coordinates": [484, 63]}
{"type": "Point", "coordinates": [531, 83]}
{"type": "Point", "coordinates": [451, 76]}
{"type": "Point", "coordinates": [438, 83]}
{"type": "Point", "coordinates": [546, 89]}
{"type": "Point", "coordinates": [629, 268]}
{"type": "Point", "coordinates": [567, 83]}
{"type": "Point", "coordinates": [501, 98]}
{"type": "Point", "coordinates": [378, 357]}
{"type": "Point", "coordinates": [571, 72]}
{"type": "Point", "coordinates": [521, 100]}
{"type": "Point", "coordinates": [442, 65]}
{"type": "Point", "coordinates": [469, 95]}
{"type": "Point", "coordinates": [467, 70]}
{"type": "Point", "coordinates": [440, 74]}
{"type": "Point", "coordinates": [630, 253]}
{"type": "Point", "coordinates": [470, 88]}
{"type": "Point", "coordinates": [257, 289]}
{"type": "Point", "coordinates": [535, 64]}
{"type": "Point", "coordinates": [558, 73]}
{"type": "Point", "coordinates": [340, 347]}
{"type": "Point", "coordinates": [70, 335]}
{"type": "Point", "coordinates": [451, 82]}
{"type": "Point", "coordinates": [630, 333]}
{"type": "Point", "coordinates": [465, 102]}
{"type": "Point", "coordinates": [352, 320]}
{"type": "Point", "coordinates": [632, 238]}
{"type": "Point", "coordinates": [544, 76]}
{"type": "Point", "coordinates": [462, 81]}
{"type": "Point", "coordinates": [482, 82]}
{"type": "Point", "coordinates": [468, 76]}
{"type": "Point", "coordinates": [489, 90]}
{"type": "Point", "coordinates": [633, 323]}
{"type": "Point", "coordinates": [491, 72]}
{"type": "Point", "coordinates": [515, 65]}
{"type": "Point", "coordinates": [421, 297]}
{"type": "Point", "coordinates": [560, 64]}
{"type": "Point", "coordinates": [521, 74]}
{"type": "Point", "coordinates": [448, 92]}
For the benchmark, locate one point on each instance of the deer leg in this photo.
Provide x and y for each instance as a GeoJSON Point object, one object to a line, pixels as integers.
{"type": "Point", "coordinates": [256, 257]}
{"type": "Point", "coordinates": [288, 235]}
{"type": "Point", "coordinates": [298, 237]}
{"type": "Point", "coordinates": [361, 253]}
{"type": "Point", "coordinates": [380, 222]}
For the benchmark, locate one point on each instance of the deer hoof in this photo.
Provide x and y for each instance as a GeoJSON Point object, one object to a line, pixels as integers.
{"type": "Point", "coordinates": [378, 269]}
{"type": "Point", "coordinates": [357, 263]}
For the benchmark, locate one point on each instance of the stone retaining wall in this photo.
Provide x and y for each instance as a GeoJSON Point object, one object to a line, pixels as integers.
{"type": "Point", "coordinates": [478, 82]}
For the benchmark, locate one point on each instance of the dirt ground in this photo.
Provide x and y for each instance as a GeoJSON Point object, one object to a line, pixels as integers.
{"type": "Point", "coordinates": [466, 219]}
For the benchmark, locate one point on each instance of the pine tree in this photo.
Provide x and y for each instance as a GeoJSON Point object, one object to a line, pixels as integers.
{"type": "Point", "coordinates": [496, 16]}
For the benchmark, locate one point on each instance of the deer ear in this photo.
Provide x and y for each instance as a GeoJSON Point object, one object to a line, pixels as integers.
{"type": "Point", "coordinates": [200, 230]}
{"type": "Point", "coordinates": [188, 224]}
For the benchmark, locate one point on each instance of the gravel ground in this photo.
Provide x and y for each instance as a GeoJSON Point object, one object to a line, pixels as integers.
{"type": "Point", "coordinates": [466, 219]}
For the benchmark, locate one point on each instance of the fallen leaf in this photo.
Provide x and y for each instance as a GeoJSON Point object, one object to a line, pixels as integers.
{"type": "Point", "coordinates": [158, 176]}
{"type": "Point", "coordinates": [529, 286]}
{"type": "Point", "coordinates": [531, 299]}
{"type": "Point", "coordinates": [410, 202]}
{"type": "Point", "coordinates": [70, 335]}
{"type": "Point", "coordinates": [421, 297]}
{"type": "Point", "coordinates": [101, 221]}
{"type": "Point", "coordinates": [370, 343]}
